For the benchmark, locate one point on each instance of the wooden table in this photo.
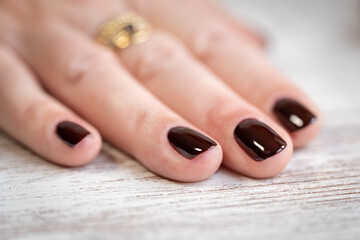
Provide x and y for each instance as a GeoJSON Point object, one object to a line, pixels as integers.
{"type": "Point", "coordinates": [317, 196]}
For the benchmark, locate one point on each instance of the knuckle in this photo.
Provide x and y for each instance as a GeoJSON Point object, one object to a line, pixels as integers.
{"type": "Point", "coordinates": [86, 67]}
{"type": "Point", "coordinates": [161, 53]}
{"type": "Point", "coordinates": [221, 111]}
{"type": "Point", "coordinates": [209, 39]}
{"type": "Point", "coordinates": [33, 110]}
{"type": "Point", "coordinates": [39, 111]}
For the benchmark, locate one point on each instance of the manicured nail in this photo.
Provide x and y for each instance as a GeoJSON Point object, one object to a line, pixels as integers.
{"type": "Point", "coordinates": [293, 115]}
{"type": "Point", "coordinates": [258, 140]}
{"type": "Point", "coordinates": [188, 142]}
{"type": "Point", "coordinates": [71, 133]}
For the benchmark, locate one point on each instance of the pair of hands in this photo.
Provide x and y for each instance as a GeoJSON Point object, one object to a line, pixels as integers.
{"type": "Point", "coordinates": [197, 94]}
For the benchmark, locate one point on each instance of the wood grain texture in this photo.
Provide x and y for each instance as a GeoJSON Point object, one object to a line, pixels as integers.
{"type": "Point", "coordinates": [316, 197]}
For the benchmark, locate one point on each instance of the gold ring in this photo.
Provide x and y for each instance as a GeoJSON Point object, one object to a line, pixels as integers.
{"type": "Point", "coordinates": [124, 30]}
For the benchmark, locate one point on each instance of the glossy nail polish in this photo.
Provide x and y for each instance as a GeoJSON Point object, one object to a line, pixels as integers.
{"type": "Point", "coordinates": [258, 140]}
{"type": "Point", "coordinates": [71, 133]}
{"type": "Point", "coordinates": [293, 115]}
{"type": "Point", "coordinates": [188, 142]}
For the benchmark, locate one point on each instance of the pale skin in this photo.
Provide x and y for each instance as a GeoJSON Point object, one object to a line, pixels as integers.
{"type": "Point", "coordinates": [200, 69]}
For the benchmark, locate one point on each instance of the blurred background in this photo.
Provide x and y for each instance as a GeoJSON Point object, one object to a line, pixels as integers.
{"type": "Point", "coordinates": [317, 43]}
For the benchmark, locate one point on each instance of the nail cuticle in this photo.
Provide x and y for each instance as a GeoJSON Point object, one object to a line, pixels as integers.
{"type": "Point", "coordinates": [258, 140]}
{"type": "Point", "coordinates": [189, 143]}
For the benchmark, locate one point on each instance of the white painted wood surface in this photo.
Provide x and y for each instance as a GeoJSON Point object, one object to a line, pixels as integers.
{"type": "Point", "coordinates": [317, 196]}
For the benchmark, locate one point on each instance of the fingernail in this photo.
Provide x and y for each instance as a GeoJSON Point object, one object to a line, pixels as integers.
{"type": "Point", "coordinates": [188, 142]}
{"type": "Point", "coordinates": [258, 140]}
{"type": "Point", "coordinates": [71, 133]}
{"type": "Point", "coordinates": [293, 115]}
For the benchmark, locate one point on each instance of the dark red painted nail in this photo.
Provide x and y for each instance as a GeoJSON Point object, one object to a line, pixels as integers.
{"type": "Point", "coordinates": [293, 115]}
{"type": "Point", "coordinates": [188, 142]}
{"type": "Point", "coordinates": [258, 140]}
{"type": "Point", "coordinates": [71, 133]}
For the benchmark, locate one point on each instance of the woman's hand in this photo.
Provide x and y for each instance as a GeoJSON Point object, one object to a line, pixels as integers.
{"type": "Point", "coordinates": [198, 89]}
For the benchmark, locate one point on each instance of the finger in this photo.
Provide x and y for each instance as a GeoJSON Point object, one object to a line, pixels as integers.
{"type": "Point", "coordinates": [165, 67]}
{"type": "Point", "coordinates": [160, 64]}
{"type": "Point", "coordinates": [240, 65]}
{"type": "Point", "coordinates": [39, 121]}
{"type": "Point", "coordinates": [90, 80]}
{"type": "Point", "coordinates": [191, 11]}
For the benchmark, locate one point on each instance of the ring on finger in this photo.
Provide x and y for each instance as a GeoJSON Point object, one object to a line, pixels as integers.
{"type": "Point", "coordinates": [123, 30]}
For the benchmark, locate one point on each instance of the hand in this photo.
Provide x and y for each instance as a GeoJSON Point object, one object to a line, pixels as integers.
{"type": "Point", "coordinates": [199, 89]}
